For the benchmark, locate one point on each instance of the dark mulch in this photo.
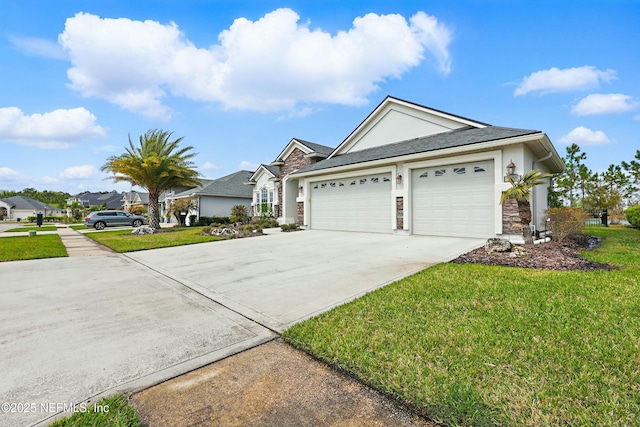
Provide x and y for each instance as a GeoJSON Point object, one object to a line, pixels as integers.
{"type": "Point", "coordinates": [547, 256]}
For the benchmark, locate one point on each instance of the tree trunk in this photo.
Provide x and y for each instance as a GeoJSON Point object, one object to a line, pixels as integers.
{"type": "Point", "coordinates": [524, 212]}
{"type": "Point", "coordinates": [154, 210]}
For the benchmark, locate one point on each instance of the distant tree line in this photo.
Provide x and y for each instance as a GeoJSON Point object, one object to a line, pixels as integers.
{"type": "Point", "coordinates": [615, 189]}
{"type": "Point", "coordinates": [53, 198]}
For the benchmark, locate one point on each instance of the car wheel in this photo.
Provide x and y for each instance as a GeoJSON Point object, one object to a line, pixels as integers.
{"type": "Point", "coordinates": [99, 225]}
{"type": "Point", "coordinates": [137, 223]}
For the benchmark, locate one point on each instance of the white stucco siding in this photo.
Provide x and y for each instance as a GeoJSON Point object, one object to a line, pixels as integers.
{"type": "Point", "coordinates": [221, 206]}
{"type": "Point", "coordinates": [396, 124]}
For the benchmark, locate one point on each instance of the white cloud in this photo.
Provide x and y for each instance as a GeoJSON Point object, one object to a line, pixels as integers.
{"type": "Point", "coordinates": [565, 80]}
{"type": "Point", "coordinates": [209, 166]}
{"type": "Point", "coordinates": [585, 136]}
{"type": "Point", "coordinates": [598, 103]}
{"type": "Point", "coordinates": [246, 165]}
{"type": "Point", "coordinates": [8, 174]}
{"type": "Point", "coordinates": [54, 130]}
{"type": "Point", "coordinates": [79, 172]}
{"type": "Point", "coordinates": [39, 47]}
{"type": "Point", "coordinates": [270, 64]}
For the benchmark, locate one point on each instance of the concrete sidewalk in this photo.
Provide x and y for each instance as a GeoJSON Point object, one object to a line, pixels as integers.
{"type": "Point", "coordinates": [76, 243]}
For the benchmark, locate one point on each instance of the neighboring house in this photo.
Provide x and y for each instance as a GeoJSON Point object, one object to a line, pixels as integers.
{"type": "Point", "coordinates": [410, 169]}
{"type": "Point", "coordinates": [19, 208]}
{"type": "Point", "coordinates": [135, 198]}
{"type": "Point", "coordinates": [214, 197]}
{"type": "Point", "coordinates": [111, 200]}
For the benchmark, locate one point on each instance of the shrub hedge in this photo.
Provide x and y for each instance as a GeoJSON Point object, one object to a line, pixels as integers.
{"type": "Point", "coordinates": [633, 215]}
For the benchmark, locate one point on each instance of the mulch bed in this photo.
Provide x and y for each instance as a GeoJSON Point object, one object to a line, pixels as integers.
{"type": "Point", "coordinates": [547, 256]}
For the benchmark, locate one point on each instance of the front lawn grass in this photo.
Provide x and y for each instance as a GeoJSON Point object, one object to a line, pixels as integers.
{"type": "Point", "coordinates": [484, 346]}
{"type": "Point", "coordinates": [43, 228]}
{"type": "Point", "coordinates": [23, 247]}
{"type": "Point", "coordinates": [124, 241]}
{"type": "Point", "coordinates": [112, 411]}
{"type": "Point", "coordinates": [78, 227]}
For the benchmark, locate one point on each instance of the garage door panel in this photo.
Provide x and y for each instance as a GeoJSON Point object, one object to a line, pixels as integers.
{"type": "Point", "coordinates": [454, 200]}
{"type": "Point", "coordinates": [361, 203]}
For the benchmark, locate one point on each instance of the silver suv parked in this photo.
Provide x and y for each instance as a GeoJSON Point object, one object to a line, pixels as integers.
{"type": "Point", "coordinates": [101, 219]}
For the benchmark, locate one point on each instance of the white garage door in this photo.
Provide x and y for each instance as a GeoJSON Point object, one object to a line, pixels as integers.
{"type": "Point", "coordinates": [359, 203]}
{"type": "Point", "coordinates": [454, 200]}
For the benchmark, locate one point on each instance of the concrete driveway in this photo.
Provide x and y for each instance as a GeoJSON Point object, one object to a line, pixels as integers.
{"type": "Point", "coordinates": [281, 279]}
{"type": "Point", "coordinates": [75, 329]}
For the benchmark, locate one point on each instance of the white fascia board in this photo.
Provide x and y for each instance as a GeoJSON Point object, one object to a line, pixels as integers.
{"type": "Point", "coordinates": [447, 152]}
{"type": "Point", "coordinates": [294, 143]}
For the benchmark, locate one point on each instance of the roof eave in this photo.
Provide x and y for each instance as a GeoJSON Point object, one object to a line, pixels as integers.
{"type": "Point", "coordinates": [445, 152]}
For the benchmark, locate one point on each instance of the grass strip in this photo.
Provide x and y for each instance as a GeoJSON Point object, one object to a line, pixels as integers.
{"type": "Point", "coordinates": [23, 247]}
{"type": "Point", "coordinates": [36, 228]}
{"type": "Point", "coordinates": [484, 346]}
{"type": "Point", "coordinates": [123, 241]}
{"type": "Point", "coordinates": [112, 411]}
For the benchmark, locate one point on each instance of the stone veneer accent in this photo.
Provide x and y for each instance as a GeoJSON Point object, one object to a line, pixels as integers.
{"type": "Point", "coordinates": [399, 213]}
{"type": "Point", "coordinates": [300, 213]}
{"type": "Point", "coordinates": [510, 219]}
{"type": "Point", "coordinates": [294, 161]}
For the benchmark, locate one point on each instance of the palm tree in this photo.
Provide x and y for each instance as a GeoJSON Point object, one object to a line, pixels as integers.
{"type": "Point", "coordinates": [521, 190]}
{"type": "Point", "coordinates": [157, 164]}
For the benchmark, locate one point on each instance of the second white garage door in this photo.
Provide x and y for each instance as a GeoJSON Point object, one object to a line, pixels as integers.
{"type": "Point", "coordinates": [454, 200]}
{"type": "Point", "coordinates": [360, 203]}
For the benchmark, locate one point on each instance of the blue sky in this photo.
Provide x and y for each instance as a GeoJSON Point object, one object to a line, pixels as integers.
{"type": "Point", "coordinates": [239, 79]}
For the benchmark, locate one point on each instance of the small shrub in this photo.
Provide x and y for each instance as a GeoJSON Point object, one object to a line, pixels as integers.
{"type": "Point", "coordinates": [289, 227]}
{"type": "Point", "coordinates": [247, 229]}
{"type": "Point", "coordinates": [239, 213]}
{"type": "Point", "coordinates": [566, 222]}
{"type": "Point", "coordinates": [204, 221]}
{"type": "Point", "coordinates": [633, 216]}
{"type": "Point", "coordinates": [206, 230]}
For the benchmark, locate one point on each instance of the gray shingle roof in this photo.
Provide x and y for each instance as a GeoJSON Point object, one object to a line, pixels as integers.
{"type": "Point", "coordinates": [112, 200]}
{"type": "Point", "coordinates": [275, 170]}
{"type": "Point", "coordinates": [21, 202]}
{"type": "Point", "coordinates": [456, 138]}
{"type": "Point", "coordinates": [318, 148]}
{"type": "Point", "coordinates": [231, 185]}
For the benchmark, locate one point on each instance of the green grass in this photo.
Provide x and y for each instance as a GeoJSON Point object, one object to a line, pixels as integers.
{"type": "Point", "coordinates": [43, 228]}
{"type": "Point", "coordinates": [483, 346]}
{"type": "Point", "coordinates": [124, 241]}
{"type": "Point", "coordinates": [23, 247]}
{"type": "Point", "coordinates": [78, 227]}
{"type": "Point", "coordinates": [118, 413]}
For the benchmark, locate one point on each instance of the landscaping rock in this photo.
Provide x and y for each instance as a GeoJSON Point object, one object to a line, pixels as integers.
{"type": "Point", "coordinates": [224, 231]}
{"type": "Point", "coordinates": [145, 229]}
{"type": "Point", "coordinates": [497, 245]}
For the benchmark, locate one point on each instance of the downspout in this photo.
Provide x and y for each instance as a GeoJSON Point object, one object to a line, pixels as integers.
{"type": "Point", "coordinates": [533, 208]}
